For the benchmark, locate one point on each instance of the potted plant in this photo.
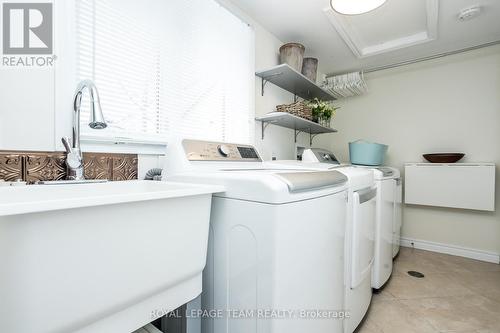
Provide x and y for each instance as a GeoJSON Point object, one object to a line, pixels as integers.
{"type": "Point", "coordinates": [322, 111]}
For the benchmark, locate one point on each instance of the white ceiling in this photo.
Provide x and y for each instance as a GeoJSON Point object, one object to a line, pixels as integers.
{"type": "Point", "coordinates": [369, 34]}
{"type": "Point", "coordinates": [400, 30]}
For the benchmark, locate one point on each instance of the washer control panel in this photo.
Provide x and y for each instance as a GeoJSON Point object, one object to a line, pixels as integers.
{"type": "Point", "coordinates": [319, 155]}
{"type": "Point", "coordinates": [219, 151]}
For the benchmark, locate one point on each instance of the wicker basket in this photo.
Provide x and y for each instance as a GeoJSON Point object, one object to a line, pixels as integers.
{"type": "Point", "coordinates": [299, 109]}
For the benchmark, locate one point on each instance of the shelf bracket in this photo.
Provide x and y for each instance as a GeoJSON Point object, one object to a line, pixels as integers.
{"type": "Point", "coordinates": [311, 138]}
{"type": "Point", "coordinates": [263, 85]}
{"type": "Point", "coordinates": [297, 132]}
{"type": "Point", "coordinates": [264, 125]}
{"type": "Point", "coordinates": [265, 80]}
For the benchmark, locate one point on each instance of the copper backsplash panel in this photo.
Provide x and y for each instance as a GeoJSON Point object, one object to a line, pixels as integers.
{"type": "Point", "coordinates": [31, 166]}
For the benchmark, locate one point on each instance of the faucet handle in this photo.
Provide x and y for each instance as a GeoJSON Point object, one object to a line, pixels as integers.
{"type": "Point", "coordinates": [67, 145]}
{"type": "Point", "coordinates": [73, 156]}
{"type": "Point", "coordinates": [74, 160]}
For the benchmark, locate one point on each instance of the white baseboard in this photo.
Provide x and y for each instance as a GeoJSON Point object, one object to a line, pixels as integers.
{"type": "Point", "coordinates": [451, 249]}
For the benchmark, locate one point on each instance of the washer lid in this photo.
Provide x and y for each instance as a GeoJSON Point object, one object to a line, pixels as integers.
{"type": "Point", "coordinates": [386, 172]}
{"type": "Point", "coordinates": [358, 178]}
{"type": "Point", "coordinates": [271, 186]}
{"type": "Point", "coordinates": [381, 173]}
{"type": "Point", "coordinates": [304, 181]}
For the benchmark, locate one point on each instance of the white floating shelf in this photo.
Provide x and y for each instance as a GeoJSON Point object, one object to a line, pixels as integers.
{"type": "Point", "coordinates": [458, 185]}
{"type": "Point", "coordinates": [292, 81]}
{"type": "Point", "coordinates": [298, 124]}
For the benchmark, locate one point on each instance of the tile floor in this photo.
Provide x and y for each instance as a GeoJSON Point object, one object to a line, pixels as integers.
{"type": "Point", "coordinates": [456, 295]}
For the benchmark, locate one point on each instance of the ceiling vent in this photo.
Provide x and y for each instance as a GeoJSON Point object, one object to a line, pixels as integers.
{"type": "Point", "coordinates": [469, 13]}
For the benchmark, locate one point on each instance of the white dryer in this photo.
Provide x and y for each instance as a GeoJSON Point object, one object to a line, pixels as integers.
{"type": "Point", "coordinates": [388, 222]}
{"type": "Point", "coordinates": [398, 216]}
{"type": "Point", "coordinates": [276, 242]}
{"type": "Point", "coordinates": [360, 230]}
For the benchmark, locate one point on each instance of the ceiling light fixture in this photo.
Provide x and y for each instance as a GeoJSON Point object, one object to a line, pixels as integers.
{"type": "Point", "coordinates": [355, 7]}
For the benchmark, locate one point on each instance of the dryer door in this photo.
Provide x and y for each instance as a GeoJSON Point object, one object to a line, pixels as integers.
{"type": "Point", "coordinates": [398, 217]}
{"type": "Point", "coordinates": [363, 236]}
{"type": "Point", "coordinates": [384, 226]}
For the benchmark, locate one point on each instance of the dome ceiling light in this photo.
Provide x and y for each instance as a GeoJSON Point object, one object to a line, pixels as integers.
{"type": "Point", "coordinates": [355, 7]}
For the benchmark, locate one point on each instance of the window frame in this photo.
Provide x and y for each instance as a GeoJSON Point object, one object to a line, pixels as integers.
{"type": "Point", "coordinates": [65, 78]}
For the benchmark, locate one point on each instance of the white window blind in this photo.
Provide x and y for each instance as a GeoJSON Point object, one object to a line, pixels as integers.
{"type": "Point", "coordinates": [169, 68]}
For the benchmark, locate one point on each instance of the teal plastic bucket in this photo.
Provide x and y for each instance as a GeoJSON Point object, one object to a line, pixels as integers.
{"type": "Point", "coordinates": [362, 152]}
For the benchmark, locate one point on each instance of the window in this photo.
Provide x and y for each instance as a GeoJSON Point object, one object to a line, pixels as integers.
{"type": "Point", "coordinates": [170, 68]}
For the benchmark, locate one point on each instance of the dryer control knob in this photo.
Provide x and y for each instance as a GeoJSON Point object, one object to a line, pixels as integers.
{"type": "Point", "coordinates": [223, 150]}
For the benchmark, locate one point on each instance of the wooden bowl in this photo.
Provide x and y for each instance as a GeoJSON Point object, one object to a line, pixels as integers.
{"type": "Point", "coordinates": [444, 157]}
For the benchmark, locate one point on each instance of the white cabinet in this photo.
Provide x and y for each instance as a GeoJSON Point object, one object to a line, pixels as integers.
{"type": "Point", "coordinates": [460, 185]}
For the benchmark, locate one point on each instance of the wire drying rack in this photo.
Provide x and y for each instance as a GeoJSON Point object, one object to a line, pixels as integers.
{"type": "Point", "coordinates": [346, 85]}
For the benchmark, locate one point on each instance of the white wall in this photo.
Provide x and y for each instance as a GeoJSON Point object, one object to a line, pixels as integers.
{"type": "Point", "coordinates": [27, 109]}
{"type": "Point", "coordinates": [449, 104]}
{"type": "Point", "coordinates": [278, 142]}
{"type": "Point", "coordinates": [28, 98]}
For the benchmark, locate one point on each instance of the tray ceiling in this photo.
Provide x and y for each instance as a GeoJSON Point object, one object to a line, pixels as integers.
{"type": "Point", "coordinates": [369, 34]}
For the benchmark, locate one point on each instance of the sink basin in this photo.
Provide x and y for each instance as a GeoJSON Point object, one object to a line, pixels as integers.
{"type": "Point", "coordinates": [105, 257]}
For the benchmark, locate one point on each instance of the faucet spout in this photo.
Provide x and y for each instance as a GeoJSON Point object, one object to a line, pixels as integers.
{"type": "Point", "coordinates": [74, 160]}
{"type": "Point", "coordinates": [96, 116]}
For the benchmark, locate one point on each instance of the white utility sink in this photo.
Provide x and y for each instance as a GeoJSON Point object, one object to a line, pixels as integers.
{"type": "Point", "coordinates": [106, 257]}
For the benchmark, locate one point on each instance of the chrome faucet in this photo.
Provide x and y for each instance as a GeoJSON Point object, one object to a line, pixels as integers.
{"type": "Point", "coordinates": [74, 159]}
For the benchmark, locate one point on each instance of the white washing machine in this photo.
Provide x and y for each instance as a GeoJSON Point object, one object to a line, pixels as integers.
{"type": "Point", "coordinates": [276, 245]}
{"type": "Point", "coordinates": [360, 230]}
{"type": "Point", "coordinates": [387, 228]}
